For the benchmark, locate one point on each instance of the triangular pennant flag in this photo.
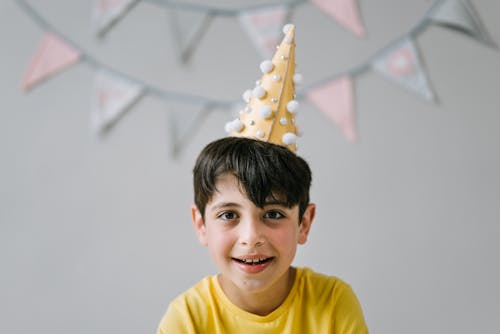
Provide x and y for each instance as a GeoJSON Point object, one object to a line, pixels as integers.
{"type": "Point", "coordinates": [461, 16]}
{"type": "Point", "coordinates": [112, 97]}
{"type": "Point", "coordinates": [53, 55]}
{"type": "Point", "coordinates": [336, 99]}
{"type": "Point", "coordinates": [106, 13]}
{"type": "Point", "coordinates": [183, 122]}
{"type": "Point", "coordinates": [345, 12]}
{"type": "Point", "coordinates": [401, 64]}
{"type": "Point", "coordinates": [264, 26]}
{"type": "Point", "coordinates": [188, 28]}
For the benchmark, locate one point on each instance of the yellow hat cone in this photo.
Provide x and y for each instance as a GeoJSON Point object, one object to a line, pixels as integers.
{"type": "Point", "coordinates": [271, 106]}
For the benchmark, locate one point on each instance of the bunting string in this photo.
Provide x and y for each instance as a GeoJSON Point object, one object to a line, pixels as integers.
{"type": "Point", "coordinates": [217, 10]}
{"type": "Point", "coordinates": [94, 63]}
{"type": "Point", "coordinates": [116, 92]}
{"type": "Point", "coordinates": [109, 12]}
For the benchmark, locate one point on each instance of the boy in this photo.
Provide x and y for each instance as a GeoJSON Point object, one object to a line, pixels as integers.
{"type": "Point", "coordinates": [251, 210]}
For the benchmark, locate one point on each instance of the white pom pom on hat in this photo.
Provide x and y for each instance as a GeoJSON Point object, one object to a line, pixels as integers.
{"type": "Point", "coordinates": [234, 126]}
{"type": "Point", "coordinates": [292, 106]}
{"type": "Point", "coordinates": [265, 112]}
{"type": "Point", "coordinates": [289, 138]}
{"type": "Point", "coordinates": [287, 28]}
{"type": "Point", "coordinates": [247, 95]}
{"type": "Point", "coordinates": [259, 92]}
{"type": "Point", "coordinates": [266, 66]}
{"type": "Point", "coordinates": [297, 78]}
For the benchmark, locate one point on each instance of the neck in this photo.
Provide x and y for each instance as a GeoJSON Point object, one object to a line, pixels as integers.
{"type": "Point", "coordinates": [262, 302]}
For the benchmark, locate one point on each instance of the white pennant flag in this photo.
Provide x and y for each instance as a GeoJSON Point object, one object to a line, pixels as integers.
{"type": "Point", "coordinates": [188, 29]}
{"type": "Point", "coordinates": [184, 121]}
{"type": "Point", "coordinates": [106, 13]}
{"type": "Point", "coordinates": [112, 97]}
{"type": "Point", "coordinates": [461, 16]}
{"type": "Point", "coordinates": [264, 27]}
{"type": "Point", "coordinates": [401, 64]}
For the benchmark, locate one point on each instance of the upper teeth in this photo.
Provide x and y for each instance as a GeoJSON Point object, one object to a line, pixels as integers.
{"type": "Point", "coordinates": [253, 260]}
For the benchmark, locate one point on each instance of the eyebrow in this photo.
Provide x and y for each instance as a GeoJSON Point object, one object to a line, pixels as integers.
{"type": "Point", "coordinates": [280, 203]}
{"type": "Point", "coordinates": [224, 205]}
{"type": "Point", "coordinates": [218, 206]}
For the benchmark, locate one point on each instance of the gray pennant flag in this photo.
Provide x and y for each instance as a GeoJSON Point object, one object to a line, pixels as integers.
{"type": "Point", "coordinates": [184, 121]}
{"type": "Point", "coordinates": [461, 16]}
{"type": "Point", "coordinates": [188, 29]}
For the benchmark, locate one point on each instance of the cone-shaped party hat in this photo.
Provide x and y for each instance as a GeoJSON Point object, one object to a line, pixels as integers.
{"type": "Point", "coordinates": [271, 106]}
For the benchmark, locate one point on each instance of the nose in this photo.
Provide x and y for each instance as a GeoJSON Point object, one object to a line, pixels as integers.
{"type": "Point", "coordinates": [251, 233]}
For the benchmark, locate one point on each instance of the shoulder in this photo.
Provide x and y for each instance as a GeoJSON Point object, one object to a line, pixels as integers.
{"type": "Point", "coordinates": [188, 309]}
{"type": "Point", "coordinates": [333, 296]}
{"type": "Point", "coordinates": [322, 285]}
{"type": "Point", "coordinates": [315, 282]}
{"type": "Point", "coordinates": [197, 294]}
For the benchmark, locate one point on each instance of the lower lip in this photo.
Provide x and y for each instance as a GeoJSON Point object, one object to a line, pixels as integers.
{"type": "Point", "coordinates": [253, 268]}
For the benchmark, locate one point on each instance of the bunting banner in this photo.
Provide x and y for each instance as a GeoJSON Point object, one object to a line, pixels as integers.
{"type": "Point", "coordinates": [106, 13]}
{"type": "Point", "coordinates": [336, 100]}
{"type": "Point", "coordinates": [263, 26]}
{"type": "Point", "coordinates": [401, 64]}
{"type": "Point", "coordinates": [52, 56]}
{"type": "Point", "coordinates": [184, 122]}
{"type": "Point", "coordinates": [115, 93]}
{"type": "Point", "coordinates": [112, 97]}
{"type": "Point", "coordinates": [461, 16]}
{"type": "Point", "coordinates": [188, 29]}
{"type": "Point", "coordinates": [345, 12]}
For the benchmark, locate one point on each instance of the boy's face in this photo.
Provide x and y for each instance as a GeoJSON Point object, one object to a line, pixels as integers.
{"type": "Point", "coordinates": [253, 247]}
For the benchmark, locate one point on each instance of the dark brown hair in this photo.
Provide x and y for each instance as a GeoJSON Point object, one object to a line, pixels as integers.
{"type": "Point", "coordinates": [265, 171]}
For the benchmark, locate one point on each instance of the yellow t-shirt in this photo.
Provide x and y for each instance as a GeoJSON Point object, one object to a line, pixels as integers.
{"type": "Point", "coordinates": [316, 304]}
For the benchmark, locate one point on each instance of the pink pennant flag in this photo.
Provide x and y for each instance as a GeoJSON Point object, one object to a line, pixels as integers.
{"type": "Point", "coordinates": [345, 12]}
{"type": "Point", "coordinates": [336, 100]}
{"type": "Point", "coordinates": [112, 97]}
{"type": "Point", "coordinates": [264, 27]}
{"type": "Point", "coordinates": [401, 64]}
{"type": "Point", "coordinates": [107, 12]}
{"type": "Point", "coordinates": [53, 55]}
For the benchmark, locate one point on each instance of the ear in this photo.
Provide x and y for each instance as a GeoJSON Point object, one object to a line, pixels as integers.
{"type": "Point", "coordinates": [199, 225]}
{"type": "Point", "coordinates": [305, 223]}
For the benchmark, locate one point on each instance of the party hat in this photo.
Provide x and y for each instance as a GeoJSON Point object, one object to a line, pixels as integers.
{"type": "Point", "coordinates": [269, 114]}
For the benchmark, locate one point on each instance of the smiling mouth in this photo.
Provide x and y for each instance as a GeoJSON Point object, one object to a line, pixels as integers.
{"type": "Point", "coordinates": [253, 262]}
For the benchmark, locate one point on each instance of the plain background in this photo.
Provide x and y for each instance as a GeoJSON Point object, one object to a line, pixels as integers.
{"type": "Point", "coordinates": [95, 233]}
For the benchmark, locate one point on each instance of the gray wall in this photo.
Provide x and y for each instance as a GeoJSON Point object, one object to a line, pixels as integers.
{"type": "Point", "coordinates": [95, 234]}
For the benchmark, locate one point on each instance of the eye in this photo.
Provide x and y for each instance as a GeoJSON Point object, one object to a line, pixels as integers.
{"type": "Point", "coordinates": [274, 215]}
{"type": "Point", "coordinates": [227, 215]}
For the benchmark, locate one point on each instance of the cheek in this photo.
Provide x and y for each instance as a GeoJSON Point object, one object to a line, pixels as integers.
{"type": "Point", "coordinates": [220, 242]}
{"type": "Point", "coordinates": [285, 238]}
